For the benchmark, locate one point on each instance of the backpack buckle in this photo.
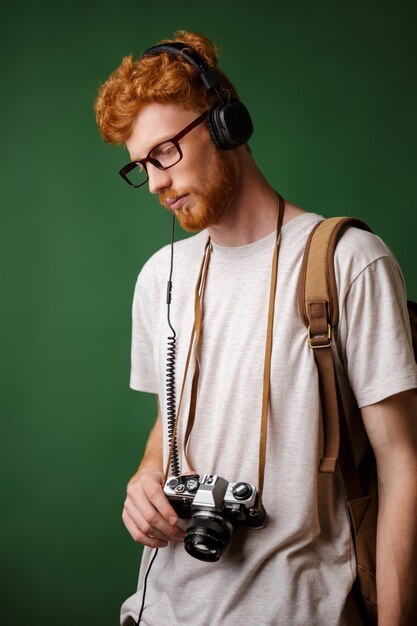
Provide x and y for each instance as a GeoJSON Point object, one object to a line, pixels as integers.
{"type": "Point", "coordinates": [320, 338]}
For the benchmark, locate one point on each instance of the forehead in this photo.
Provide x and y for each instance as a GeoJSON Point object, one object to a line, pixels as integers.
{"type": "Point", "coordinates": [154, 123]}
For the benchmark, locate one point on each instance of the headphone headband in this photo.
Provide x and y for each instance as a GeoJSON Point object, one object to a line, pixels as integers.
{"type": "Point", "coordinates": [210, 77]}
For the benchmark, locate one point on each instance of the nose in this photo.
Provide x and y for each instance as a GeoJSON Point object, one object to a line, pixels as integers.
{"type": "Point", "coordinates": [158, 180]}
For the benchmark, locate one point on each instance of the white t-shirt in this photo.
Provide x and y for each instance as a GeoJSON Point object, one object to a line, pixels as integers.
{"type": "Point", "coordinates": [300, 567]}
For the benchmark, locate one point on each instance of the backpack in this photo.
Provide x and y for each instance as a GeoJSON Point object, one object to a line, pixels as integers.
{"type": "Point", "coordinates": [319, 311]}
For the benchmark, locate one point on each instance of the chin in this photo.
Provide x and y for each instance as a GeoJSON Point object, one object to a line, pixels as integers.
{"type": "Point", "coordinates": [198, 219]}
{"type": "Point", "coordinates": [191, 224]}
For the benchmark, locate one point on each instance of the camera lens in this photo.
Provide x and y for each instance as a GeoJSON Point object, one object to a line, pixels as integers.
{"type": "Point", "coordinates": [208, 535]}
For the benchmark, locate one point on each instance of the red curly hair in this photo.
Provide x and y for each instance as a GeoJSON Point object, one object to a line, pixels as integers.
{"type": "Point", "coordinates": [161, 78]}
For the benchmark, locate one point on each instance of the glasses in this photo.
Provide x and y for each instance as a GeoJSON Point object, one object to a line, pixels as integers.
{"type": "Point", "coordinates": [163, 156]}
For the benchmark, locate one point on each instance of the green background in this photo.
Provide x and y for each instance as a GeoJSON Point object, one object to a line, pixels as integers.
{"type": "Point", "coordinates": [331, 88]}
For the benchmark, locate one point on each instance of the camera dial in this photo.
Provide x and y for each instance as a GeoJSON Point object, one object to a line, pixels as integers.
{"type": "Point", "coordinates": [242, 491]}
{"type": "Point", "coordinates": [192, 485]}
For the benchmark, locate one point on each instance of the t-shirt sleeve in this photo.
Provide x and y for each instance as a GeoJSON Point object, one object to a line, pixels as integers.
{"type": "Point", "coordinates": [375, 332]}
{"type": "Point", "coordinates": [143, 372]}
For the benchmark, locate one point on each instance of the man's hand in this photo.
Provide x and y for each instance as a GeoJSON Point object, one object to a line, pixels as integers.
{"type": "Point", "coordinates": [147, 514]}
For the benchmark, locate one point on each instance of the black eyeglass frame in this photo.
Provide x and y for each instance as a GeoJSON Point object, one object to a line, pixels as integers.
{"type": "Point", "coordinates": [148, 159]}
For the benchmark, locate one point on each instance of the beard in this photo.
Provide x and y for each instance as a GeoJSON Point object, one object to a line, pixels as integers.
{"type": "Point", "coordinates": [211, 197]}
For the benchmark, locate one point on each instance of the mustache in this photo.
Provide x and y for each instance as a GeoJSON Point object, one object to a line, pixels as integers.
{"type": "Point", "coordinates": [171, 194]}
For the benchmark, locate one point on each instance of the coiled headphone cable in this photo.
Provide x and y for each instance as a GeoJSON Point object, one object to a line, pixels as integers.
{"type": "Point", "coordinates": [170, 368]}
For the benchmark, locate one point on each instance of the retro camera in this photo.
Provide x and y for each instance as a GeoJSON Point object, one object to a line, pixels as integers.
{"type": "Point", "coordinates": [215, 509]}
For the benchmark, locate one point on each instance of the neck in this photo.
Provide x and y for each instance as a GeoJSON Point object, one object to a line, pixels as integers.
{"type": "Point", "coordinates": [252, 213]}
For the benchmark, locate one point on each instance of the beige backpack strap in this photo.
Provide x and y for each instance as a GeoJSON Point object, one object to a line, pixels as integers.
{"type": "Point", "coordinates": [319, 310]}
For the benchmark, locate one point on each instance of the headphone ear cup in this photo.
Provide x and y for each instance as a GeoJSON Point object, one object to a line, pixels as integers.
{"type": "Point", "coordinates": [230, 125]}
{"type": "Point", "coordinates": [213, 124]}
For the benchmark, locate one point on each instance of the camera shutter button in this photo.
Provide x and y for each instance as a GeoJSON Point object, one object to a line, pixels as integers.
{"type": "Point", "coordinates": [242, 491]}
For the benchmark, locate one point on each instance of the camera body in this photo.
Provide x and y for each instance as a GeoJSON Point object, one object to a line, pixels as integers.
{"type": "Point", "coordinates": [215, 509]}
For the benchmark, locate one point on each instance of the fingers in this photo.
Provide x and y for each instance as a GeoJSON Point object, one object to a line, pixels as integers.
{"type": "Point", "coordinates": [139, 536]}
{"type": "Point", "coordinates": [147, 514]}
{"type": "Point", "coordinates": [150, 522]}
{"type": "Point", "coordinates": [155, 496]}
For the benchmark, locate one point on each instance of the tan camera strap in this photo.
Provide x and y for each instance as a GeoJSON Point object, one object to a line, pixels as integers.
{"type": "Point", "coordinates": [268, 353]}
{"type": "Point", "coordinates": [195, 342]}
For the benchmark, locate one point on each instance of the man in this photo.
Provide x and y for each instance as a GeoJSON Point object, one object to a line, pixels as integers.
{"type": "Point", "coordinates": [299, 569]}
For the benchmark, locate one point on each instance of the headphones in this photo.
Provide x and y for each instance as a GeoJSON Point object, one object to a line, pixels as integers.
{"type": "Point", "coordinates": [229, 122]}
